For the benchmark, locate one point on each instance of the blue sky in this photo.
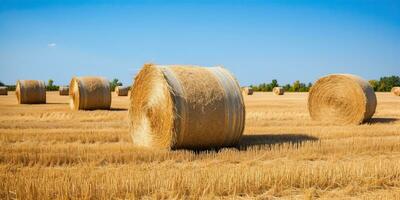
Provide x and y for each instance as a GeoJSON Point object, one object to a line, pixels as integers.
{"type": "Point", "coordinates": [257, 40]}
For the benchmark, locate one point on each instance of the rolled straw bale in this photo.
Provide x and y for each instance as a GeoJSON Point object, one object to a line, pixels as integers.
{"type": "Point", "coordinates": [122, 91]}
{"type": "Point", "coordinates": [342, 99]}
{"type": "Point", "coordinates": [64, 90]}
{"type": "Point", "coordinates": [396, 91]}
{"type": "Point", "coordinates": [3, 91]}
{"type": "Point", "coordinates": [278, 90]}
{"type": "Point", "coordinates": [174, 107]}
{"type": "Point", "coordinates": [247, 91]}
{"type": "Point", "coordinates": [30, 92]}
{"type": "Point", "coordinates": [89, 93]}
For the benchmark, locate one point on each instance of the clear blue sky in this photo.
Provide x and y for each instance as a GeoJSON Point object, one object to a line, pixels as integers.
{"type": "Point", "coordinates": [257, 40]}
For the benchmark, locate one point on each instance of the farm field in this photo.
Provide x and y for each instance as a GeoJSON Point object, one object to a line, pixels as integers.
{"type": "Point", "coordinates": [49, 151]}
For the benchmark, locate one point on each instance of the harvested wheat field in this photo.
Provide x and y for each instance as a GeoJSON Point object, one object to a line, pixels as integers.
{"type": "Point", "coordinates": [49, 151]}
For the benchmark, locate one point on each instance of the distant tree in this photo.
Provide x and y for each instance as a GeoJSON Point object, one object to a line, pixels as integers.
{"type": "Point", "coordinates": [303, 87]}
{"type": "Point", "coordinates": [287, 87]}
{"type": "Point", "coordinates": [50, 86]}
{"type": "Point", "coordinates": [255, 88]}
{"type": "Point", "coordinates": [374, 84]}
{"type": "Point", "coordinates": [309, 86]}
{"type": "Point", "coordinates": [11, 87]}
{"type": "Point", "coordinates": [274, 83]}
{"type": "Point", "coordinates": [50, 83]}
{"type": "Point", "coordinates": [263, 87]}
{"type": "Point", "coordinates": [1, 84]}
{"type": "Point", "coordinates": [268, 87]}
{"type": "Point", "coordinates": [296, 86]}
{"type": "Point", "coordinates": [386, 83]}
{"type": "Point", "coordinates": [114, 83]}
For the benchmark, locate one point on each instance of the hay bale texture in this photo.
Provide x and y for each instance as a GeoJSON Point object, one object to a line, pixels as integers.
{"type": "Point", "coordinates": [64, 90]}
{"type": "Point", "coordinates": [247, 91]}
{"type": "Point", "coordinates": [89, 93]}
{"type": "Point", "coordinates": [342, 99]}
{"type": "Point", "coordinates": [122, 91]}
{"type": "Point", "coordinates": [396, 91]}
{"type": "Point", "coordinates": [3, 90]}
{"type": "Point", "coordinates": [174, 107]}
{"type": "Point", "coordinates": [30, 92]}
{"type": "Point", "coordinates": [278, 90]}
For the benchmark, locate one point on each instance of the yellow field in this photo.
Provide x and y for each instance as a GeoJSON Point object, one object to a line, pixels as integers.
{"type": "Point", "coordinates": [48, 151]}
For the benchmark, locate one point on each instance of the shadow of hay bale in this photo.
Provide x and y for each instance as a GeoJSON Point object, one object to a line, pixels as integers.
{"type": "Point", "coordinates": [262, 140]}
{"type": "Point", "coordinates": [381, 120]}
{"type": "Point", "coordinates": [118, 109]}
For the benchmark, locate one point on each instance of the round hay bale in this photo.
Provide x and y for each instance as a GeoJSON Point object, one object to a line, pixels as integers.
{"type": "Point", "coordinates": [3, 90]}
{"type": "Point", "coordinates": [122, 91]}
{"type": "Point", "coordinates": [247, 91]}
{"type": "Point", "coordinates": [64, 90]}
{"type": "Point", "coordinates": [341, 99]}
{"type": "Point", "coordinates": [278, 90]}
{"type": "Point", "coordinates": [190, 107]}
{"type": "Point", "coordinates": [89, 93]}
{"type": "Point", "coordinates": [396, 91]}
{"type": "Point", "coordinates": [30, 92]}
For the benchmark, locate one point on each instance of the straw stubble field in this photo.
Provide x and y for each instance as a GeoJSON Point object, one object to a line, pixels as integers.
{"type": "Point", "coordinates": [48, 151]}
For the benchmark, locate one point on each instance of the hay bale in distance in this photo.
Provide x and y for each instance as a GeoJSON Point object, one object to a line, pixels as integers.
{"type": "Point", "coordinates": [396, 91]}
{"type": "Point", "coordinates": [278, 90]}
{"type": "Point", "coordinates": [122, 91]}
{"type": "Point", "coordinates": [175, 107]}
{"type": "Point", "coordinates": [3, 90]}
{"type": "Point", "coordinates": [64, 90]}
{"type": "Point", "coordinates": [30, 92]}
{"type": "Point", "coordinates": [89, 93]}
{"type": "Point", "coordinates": [247, 91]}
{"type": "Point", "coordinates": [342, 99]}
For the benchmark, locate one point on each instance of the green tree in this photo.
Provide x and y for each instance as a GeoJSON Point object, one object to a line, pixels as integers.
{"type": "Point", "coordinates": [309, 86]}
{"type": "Point", "coordinates": [303, 87]}
{"type": "Point", "coordinates": [114, 83]}
{"type": "Point", "coordinates": [263, 87]}
{"type": "Point", "coordinates": [1, 84]}
{"type": "Point", "coordinates": [268, 87]}
{"type": "Point", "coordinates": [386, 83]}
{"type": "Point", "coordinates": [255, 88]}
{"type": "Point", "coordinates": [287, 87]}
{"type": "Point", "coordinates": [274, 83]}
{"type": "Point", "coordinates": [296, 86]}
{"type": "Point", "coordinates": [374, 84]}
{"type": "Point", "coordinates": [50, 86]}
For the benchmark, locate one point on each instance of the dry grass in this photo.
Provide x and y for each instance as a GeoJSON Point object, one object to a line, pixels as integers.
{"type": "Point", "coordinates": [48, 151]}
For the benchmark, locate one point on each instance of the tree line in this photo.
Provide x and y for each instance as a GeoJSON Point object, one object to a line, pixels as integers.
{"type": "Point", "coordinates": [384, 84]}
{"type": "Point", "coordinates": [296, 86]}
{"type": "Point", "coordinates": [50, 86]}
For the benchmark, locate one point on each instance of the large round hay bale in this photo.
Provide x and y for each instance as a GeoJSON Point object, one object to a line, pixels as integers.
{"type": "Point", "coordinates": [396, 91]}
{"type": "Point", "coordinates": [89, 93]}
{"type": "Point", "coordinates": [189, 107]}
{"type": "Point", "coordinates": [30, 92]}
{"type": "Point", "coordinates": [278, 90]}
{"type": "Point", "coordinates": [247, 91]}
{"type": "Point", "coordinates": [64, 90]}
{"type": "Point", "coordinates": [122, 91]}
{"type": "Point", "coordinates": [342, 99]}
{"type": "Point", "coordinates": [3, 90]}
